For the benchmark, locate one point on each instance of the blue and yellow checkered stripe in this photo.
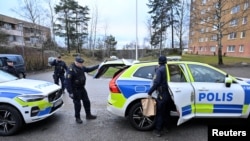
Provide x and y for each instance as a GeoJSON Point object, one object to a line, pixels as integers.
{"type": "Point", "coordinates": [214, 108]}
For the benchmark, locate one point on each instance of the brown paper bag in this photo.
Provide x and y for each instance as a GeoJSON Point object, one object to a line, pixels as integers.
{"type": "Point", "coordinates": [148, 106]}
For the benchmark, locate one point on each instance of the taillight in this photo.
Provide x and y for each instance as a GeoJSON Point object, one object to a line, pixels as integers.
{"type": "Point", "coordinates": [112, 85]}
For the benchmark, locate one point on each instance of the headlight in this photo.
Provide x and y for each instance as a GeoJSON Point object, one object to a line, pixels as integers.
{"type": "Point", "coordinates": [31, 98]}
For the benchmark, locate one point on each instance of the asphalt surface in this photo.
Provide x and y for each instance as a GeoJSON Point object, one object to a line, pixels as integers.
{"type": "Point", "coordinates": [107, 127]}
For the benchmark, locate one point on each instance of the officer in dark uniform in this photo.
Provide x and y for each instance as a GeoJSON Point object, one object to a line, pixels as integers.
{"type": "Point", "coordinates": [10, 68]}
{"type": "Point", "coordinates": [75, 85]}
{"type": "Point", "coordinates": [160, 84]}
{"type": "Point", "coordinates": [59, 71]}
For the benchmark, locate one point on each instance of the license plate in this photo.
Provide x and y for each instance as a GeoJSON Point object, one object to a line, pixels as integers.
{"type": "Point", "coordinates": [57, 103]}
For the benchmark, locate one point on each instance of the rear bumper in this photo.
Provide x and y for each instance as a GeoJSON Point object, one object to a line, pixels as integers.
{"type": "Point", "coordinates": [115, 111]}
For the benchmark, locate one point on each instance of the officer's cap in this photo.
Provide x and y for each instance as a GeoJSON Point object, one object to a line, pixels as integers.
{"type": "Point", "coordinates": [79, 59]}
{"type": "Point", "coordinates": [9, 60]}
{"type": "Point", "coordinates": [162, 60]}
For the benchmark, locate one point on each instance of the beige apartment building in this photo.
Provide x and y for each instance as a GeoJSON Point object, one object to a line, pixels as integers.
{"type": "Point", "coordinates": [235, 19]}
{"type": "Point", "coordinates": [23, 33]}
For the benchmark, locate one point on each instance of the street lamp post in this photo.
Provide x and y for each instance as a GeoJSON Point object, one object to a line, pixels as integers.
{"type": "Point", "coordinates": [136, 46]}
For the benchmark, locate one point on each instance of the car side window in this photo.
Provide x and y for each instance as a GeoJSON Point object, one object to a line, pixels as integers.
{"type": "Point", "coordinates": [176, 74]}
{"type": "Point", "coordinates": [145, 72]}
{"type": "Point", "coordinates": [205, 74]}
{"type": "Point", "coordinates": [1, 63]}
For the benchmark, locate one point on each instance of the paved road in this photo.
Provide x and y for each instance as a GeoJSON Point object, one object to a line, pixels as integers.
{"type": "Point", "coordinates": [107, 127]}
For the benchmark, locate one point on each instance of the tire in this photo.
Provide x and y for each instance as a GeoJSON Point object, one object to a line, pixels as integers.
{"type": "Point", "coordinates": [138, 120]}
{"type": "Point", "coordinates": [10, 120]}
{"type": "Point", "coordinates": [21, 75]}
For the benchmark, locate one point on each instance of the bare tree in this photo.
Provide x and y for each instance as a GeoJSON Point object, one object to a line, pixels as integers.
{"type": "Point", "coordinates": [52, 15]}
{"type": "Point", "coordinates": [181, 27]}
{"type": "Point", "coordinates": [93, 30]}
{"type": "Point", "coordinates": [221, 16]}
{"type": "Point", "coordinates": [149, 25]}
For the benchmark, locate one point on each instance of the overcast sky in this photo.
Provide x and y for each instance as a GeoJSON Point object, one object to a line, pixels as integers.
{"type": "Point", "coordinates": [119, 16]}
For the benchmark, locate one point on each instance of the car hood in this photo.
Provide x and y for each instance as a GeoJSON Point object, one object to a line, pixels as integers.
{"type": "Point", "coordinates": [243, 79]}
{"type": "Point", "coordinates": [28, 86]}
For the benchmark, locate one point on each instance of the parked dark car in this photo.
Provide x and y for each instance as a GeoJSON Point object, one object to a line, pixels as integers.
{"type": "Point", "coordinates": [18, 60]}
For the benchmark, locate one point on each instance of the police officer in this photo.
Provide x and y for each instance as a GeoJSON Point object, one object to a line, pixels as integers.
{"type": "Point", "coordinates": [10, 68]}
{"type": "Point", "coordinates": [59, 71]}
{"type": "Point", "coordinates": [161, 86]}
{"type": "Point", "coordinates": [75, 85]}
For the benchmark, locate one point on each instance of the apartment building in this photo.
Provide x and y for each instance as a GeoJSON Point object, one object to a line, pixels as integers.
{"type": "Point", "coordinates": [22, 33]}
{"type": "Point", "coordinates": [231, 17]}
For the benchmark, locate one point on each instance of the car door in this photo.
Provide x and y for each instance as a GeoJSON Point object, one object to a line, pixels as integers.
{"type": "Point", "coordinates": [181, 91]}
{"type": "Point", "coordinates": [212, 97]}
{"type": "Point", "coordinates": [116, 63]}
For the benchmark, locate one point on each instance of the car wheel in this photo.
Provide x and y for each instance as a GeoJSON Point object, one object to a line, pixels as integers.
{"type": "Point", "coordinates": [21, 75]}
{"type": "Point", "coordinates": [138, 120]}
{"type": "Point", "coordinates": [10, 120]}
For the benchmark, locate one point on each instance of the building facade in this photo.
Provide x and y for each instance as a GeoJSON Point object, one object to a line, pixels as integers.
{"type": "Point", "coordinates": [212, 20]}
{"type": "Point", "coordinates": [22, 33]}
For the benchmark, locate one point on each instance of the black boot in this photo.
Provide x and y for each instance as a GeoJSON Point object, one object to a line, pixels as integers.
{"type": "Point", "coordinates": [90, 116]}
{"type": "Point", "coordinates": [78, 120]}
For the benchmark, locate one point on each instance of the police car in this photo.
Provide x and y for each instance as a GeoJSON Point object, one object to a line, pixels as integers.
{"type": "Point", "coordinates": [24, 101]}
{"type": "Point", "coordinates": [198, 90]}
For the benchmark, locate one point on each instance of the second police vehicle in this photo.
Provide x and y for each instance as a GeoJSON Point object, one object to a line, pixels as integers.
{"type": "Point", "coordinates": [198, 90]}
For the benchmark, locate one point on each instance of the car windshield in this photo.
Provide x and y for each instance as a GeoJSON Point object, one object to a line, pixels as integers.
{"type": "Point", "coordinates": [5, 77]}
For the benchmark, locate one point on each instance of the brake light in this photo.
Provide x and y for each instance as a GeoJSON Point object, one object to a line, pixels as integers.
{"type": "Point", "coordinates": [112, 85]}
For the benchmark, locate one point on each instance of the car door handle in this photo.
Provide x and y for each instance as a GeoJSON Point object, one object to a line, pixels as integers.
{"type": "Point", "coordinates": [177, 90]}
{"type": "Point", "coordinates": [202, 89]}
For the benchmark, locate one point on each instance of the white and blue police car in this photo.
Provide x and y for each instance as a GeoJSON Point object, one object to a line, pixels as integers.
{"type": "Point", "coordinates": [24, 101]}
{"type": "Point", "coordinates": [198, 90]}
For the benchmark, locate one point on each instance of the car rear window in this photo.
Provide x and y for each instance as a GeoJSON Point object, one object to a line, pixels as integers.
{"type": "Point", "coordinates": [146, 72]}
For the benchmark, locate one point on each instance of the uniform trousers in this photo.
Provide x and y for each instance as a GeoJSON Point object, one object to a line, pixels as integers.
{"type": "Point", "coordinates": [80, 95]}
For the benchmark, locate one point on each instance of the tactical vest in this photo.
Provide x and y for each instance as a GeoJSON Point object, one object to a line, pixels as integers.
{"type": "Point", "coordinates": [59, 68]}
{"type": "Point", "coordinates": [79, 78]}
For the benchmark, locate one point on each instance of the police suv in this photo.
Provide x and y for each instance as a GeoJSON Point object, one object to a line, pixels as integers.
{"type": "Point", "coordinates": [197, 90]}
{"type": "Point", "coordinates": [24, 101]}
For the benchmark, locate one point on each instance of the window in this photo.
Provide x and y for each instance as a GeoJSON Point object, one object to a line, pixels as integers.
{"type": "Point", "coordinates": [176, 74]}
{"type": "Point", "coordinates": [203, 11]}
{"type": "Point", "coordinates": [201, 39]}
{"type": "Point", "coordinates": [232, 35]}
{"type": "Point", "coordinates": [244, 20]}
{"type": "Point", "coordinates": [213, 38]}
{"type": "Point", "coordinates": [241, 48]}
{"type": "Point", "coordinates": [246, 5]}
{"type": "Point", "coordinates": [231, 48]}
{"type": "Point", "coordinates": [234, 22]}
{"type": "Point", "coordinates": [216, 5]}
{"type": "Point", "coordinates": [202, 48]}
{"type": "Point", "coordinates": [145, 72]}
{"type": "Point", "coordinates": [203, 2]}
{"type": "Point", "coordinates": [235, 9]}
{"type": "Point", "coordinates": [214, 27]}
{"type": "Point", "coordinates": [207, 29]}
{"type": "Point", "coordinates": [7, 26]}
{"type": "Point", "coordinates": [202, 30]}
{"type": "Point", "coordinates": [212, 48]}
{"type": "Point", "coordinates": [205, 74]}
{"type": "Point", "coordinates": [243, 34]}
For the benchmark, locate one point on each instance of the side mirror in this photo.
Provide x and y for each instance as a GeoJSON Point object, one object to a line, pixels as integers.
{"type": "Point", "coordinates": [228, 81]}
